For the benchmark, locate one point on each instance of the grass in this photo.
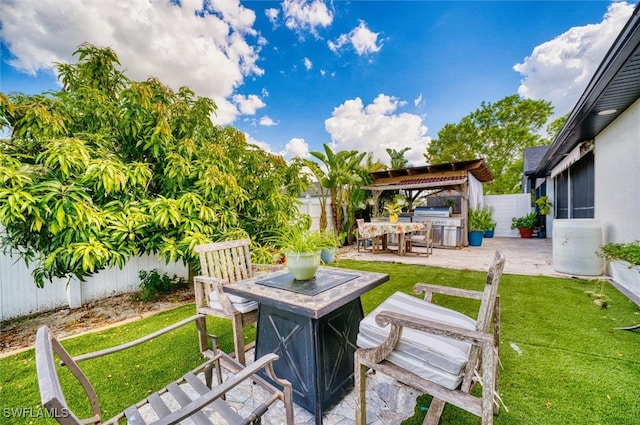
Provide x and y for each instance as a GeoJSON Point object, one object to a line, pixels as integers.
{"type": "Point", "coordinates": [562, 360]}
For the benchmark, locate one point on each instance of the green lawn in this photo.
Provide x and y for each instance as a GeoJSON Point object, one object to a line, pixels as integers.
{"type": "Point", "coordinates": [563, 362]}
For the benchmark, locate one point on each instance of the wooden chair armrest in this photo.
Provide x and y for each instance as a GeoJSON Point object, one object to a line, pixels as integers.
{"type": "Point", "coordinates": [144, 339]}
{"type": "Point", "coordinates": [436, 328]}
{"type": "Point", "coordinates": [429, 290]}
{"type": "Point", "coordinates": [203, 285]}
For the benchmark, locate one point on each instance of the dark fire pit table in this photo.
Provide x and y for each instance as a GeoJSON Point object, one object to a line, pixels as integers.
{"type": "Point", "coordinates": [312, 326]}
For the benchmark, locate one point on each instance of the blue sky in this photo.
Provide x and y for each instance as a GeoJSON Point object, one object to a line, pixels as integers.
{"type": "Point", "coordinates": [295, 74]}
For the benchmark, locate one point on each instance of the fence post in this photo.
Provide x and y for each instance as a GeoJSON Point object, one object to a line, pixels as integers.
{"type": "Point", "coordinates": [74, 293]}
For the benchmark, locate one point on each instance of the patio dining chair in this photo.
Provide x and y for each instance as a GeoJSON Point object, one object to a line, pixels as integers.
{"type": "Point", "coordinates": [436, 350]}
{"type": "Point", "coordinates": [422, 237]}
{"type": "Point", "coordinates": [366, 243]}
{"type": "Point", "coordinates": [196, 396]}
{"type": "Point", "coordinates": [223, 263]}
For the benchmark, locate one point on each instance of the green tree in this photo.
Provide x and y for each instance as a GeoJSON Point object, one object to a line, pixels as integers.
{"type": "Point", "coordinates": [108, 168]}
{"type": "Point", "coordinates": [497, 132]}
{"type": "Point", "coordinates": [343, 173]}
{"type": "Point", "coordinates": [556, 125]}
{"type": "Point", "coordinates": [398, 160]}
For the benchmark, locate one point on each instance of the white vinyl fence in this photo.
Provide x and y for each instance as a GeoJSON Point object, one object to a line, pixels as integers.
{"type": "Point", "coordinates": [19, 295]}
{"type": "Point", "coordinates": [505, 208]}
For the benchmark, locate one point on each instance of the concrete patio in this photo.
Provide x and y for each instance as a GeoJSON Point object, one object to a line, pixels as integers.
{"type": "Point", "coordinates": [524, 256]}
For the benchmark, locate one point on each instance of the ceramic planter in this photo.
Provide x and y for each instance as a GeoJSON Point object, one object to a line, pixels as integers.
{"type": "Point", "coordinates": [303, 265]}
{"type": "Point", "coordinates": [525, 232]}
{"type": "Point", "coordinates": [626, 275]}
{"type": "Point", "coordinates": [475, 237]}
{"type": "Point", "coordinates": [328, 255]}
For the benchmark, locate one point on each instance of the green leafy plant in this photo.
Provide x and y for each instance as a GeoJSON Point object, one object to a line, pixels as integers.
{"type": "Point", "coordinates": [450, 202]}
{"type": "Point", "coordinates": [395, 206]}
{"type": "Point", "coordinates": [629, 252]}
{"type": "Point", "coordinates": [544, 205]}
{"type": "Point", "coordinates": [298, 237]}
{"type": "Point", "coordinates": [481, 219]}
{"type": "Point", "coordinates": [153, 284]}
{"type": "Point", "coordinates": [528, 221]}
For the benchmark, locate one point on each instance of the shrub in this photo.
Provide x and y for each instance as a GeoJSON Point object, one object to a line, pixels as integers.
{"type": "Point", "coordinates": [153, 284]}
{"type": "Point", "coordinates": [629, 252]}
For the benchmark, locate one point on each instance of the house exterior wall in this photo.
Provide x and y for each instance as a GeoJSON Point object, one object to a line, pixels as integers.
{"type": "Point", "coordinates": [617, 177]}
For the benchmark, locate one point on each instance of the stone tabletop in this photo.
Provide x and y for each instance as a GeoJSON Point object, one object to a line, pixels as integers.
{"type": "Point", "coordinates": [313, 306]}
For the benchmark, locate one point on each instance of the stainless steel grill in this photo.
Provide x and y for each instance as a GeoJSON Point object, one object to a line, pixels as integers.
{"type": "Point", "coordinates": [447, 231]}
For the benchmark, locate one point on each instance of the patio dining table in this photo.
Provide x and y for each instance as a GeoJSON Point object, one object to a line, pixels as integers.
{"type": "Point", "coordinates": [383, 229]}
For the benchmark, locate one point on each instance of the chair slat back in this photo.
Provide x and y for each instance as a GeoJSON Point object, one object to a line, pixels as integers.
{"type": "Point", "coordinates": [360, 225]}
{"type": "Point", "coordinates": [229, 260]}
{"type": "Point", "coordinates": [490, 292]}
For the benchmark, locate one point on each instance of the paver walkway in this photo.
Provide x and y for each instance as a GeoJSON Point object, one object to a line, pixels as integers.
{"type": "Point", "coordinates": [523, 256]}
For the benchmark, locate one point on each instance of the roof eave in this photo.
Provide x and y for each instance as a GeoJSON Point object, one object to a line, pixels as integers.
{"type": "Point", "coordinates": [620, 52]}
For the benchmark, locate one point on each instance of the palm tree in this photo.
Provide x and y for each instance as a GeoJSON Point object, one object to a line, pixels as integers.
{"type": "Point", "coordinates": [343, 171]}
{"type": "Point", "coordinates": [398, 160]}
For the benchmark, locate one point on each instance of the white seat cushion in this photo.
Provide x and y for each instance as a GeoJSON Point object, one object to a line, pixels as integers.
{"type": "Point", "coordinates": [243, 305]}
{"type": "Point", "coordinates": [436, 358]}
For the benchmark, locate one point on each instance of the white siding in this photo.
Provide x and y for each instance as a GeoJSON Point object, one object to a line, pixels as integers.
{"type": "Point", "coordinates": [617, 177]}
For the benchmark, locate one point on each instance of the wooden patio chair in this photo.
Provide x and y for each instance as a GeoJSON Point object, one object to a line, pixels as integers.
{"type": "Point", "coordinates": [223, 263]}
{"type": "Point", "coordinates": [434, 349]}
{"type": "Point", "coordinates": [189, 397]}
{"type": "Point", "coordinates": [422, 237]}
{"type": "Point", "coordinates": [362, 241]}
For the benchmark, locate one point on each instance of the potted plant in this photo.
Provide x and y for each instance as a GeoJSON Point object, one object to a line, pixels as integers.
{"type": "Point", "coordinates": [395, 207]}
{"type": "Point", "coordinates": [333, 240]}
{"type": "Point", "coordinates": [302, 248]}
{"type": "Point", "coordinates": [477, 225]}
{"type": "Point", "coordinates": [490, 225]}
{"type": "Point", "coordinates": [525, 224]}
{"type": "Point", "coordinates": [451, 204]}
{"type": "Point", "coordinates": [544, 207]}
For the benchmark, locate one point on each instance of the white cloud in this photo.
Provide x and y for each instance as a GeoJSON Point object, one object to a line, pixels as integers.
{"type": "Point", "coordinates": [272, 16]}
{"type": "Point", "coordinates": [377, 126]}
{"type": "Point", "coordinates": [267, 121]}
{"type": "Point", "coordinates": [302, 16]}
{"type": "Point", "coordinates": [248, 105]}
{"type": "Point", "coordinates": [417, 101]}
{"type": "Point", "coordinates": [363, 40]}
{"type": "Point", "coordinates": [213, 48]}
{"type": "Point", "coordinates": [307, 63]}
{"type": "Point", "coordinates": [297, 148]}
{"type": "Point", "coordinates": [560, 69]}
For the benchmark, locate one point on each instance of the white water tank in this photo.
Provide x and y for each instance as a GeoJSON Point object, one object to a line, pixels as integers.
{"type": "Point", "coordinates": [575, 246]}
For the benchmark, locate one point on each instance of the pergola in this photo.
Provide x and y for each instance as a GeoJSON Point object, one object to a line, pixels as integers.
{"type": "Point", "coordinates": [464, 177]}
